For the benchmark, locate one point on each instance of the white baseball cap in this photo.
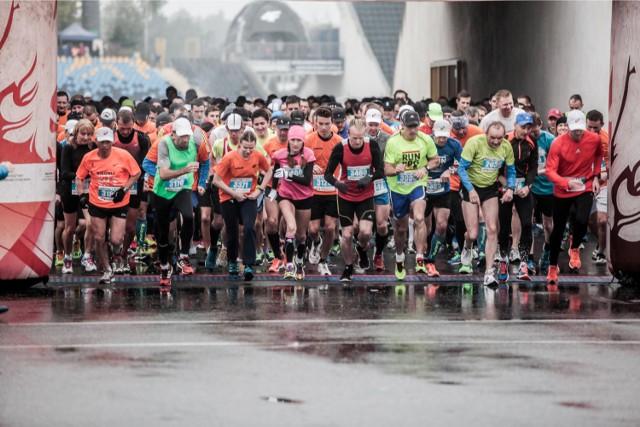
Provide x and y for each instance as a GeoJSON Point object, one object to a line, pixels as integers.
{"type": "Point", "coordinates": [373, 116]}
{"type": "Point", "coordinates": [234, 121]}
{"type": "Point", "coordinates": [576, 120]}
{"type": "Point", "coordinates": [182, 127]}
{"type": "Point", "coordinates": [104, 134]}
{"type": "Point", "coordinates": [70, 126]}
{"type": "Point", "coordinates": [441, 128]}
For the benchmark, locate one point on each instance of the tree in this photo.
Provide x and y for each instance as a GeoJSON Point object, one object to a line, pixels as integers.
{"type": "Point", "coordinates": [68, 13]}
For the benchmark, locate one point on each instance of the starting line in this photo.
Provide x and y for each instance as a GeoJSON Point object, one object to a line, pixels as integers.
{"type": "Point", "coordinates": [368, 279]}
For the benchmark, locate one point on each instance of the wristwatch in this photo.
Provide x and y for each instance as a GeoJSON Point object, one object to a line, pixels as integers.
{"type": "Point", "coordinates": [512, 189]}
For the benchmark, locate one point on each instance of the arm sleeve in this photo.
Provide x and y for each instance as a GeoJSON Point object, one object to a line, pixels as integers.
{"type": "Point", "coordinates": [376, 160]}
{"type": "Point", "coordinates": [163, 155]}
{"type": "Point", "coordinates": [203, 173]}
{"type": "Point", "coordinates": [511, 175]}
{"type": "Point", "coordinates": [65, 165]}
{"type": "Point", "coordinates": [274, 180]}
{"type": "Point", "coordinates": [335, 159]}
{"type": "Point", "coordinates": [145, 144]}
{"type": "Point", "coordinates": [463, 165]}
{"type": "Point", "coordinates": [149, 167]}
{"type": "Point", "coordinates": [307, 178]}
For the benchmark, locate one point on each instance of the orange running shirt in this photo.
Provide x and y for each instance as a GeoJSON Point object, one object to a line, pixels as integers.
{"type": "Point", "coordinates": [239, 173]}
{"type": "Point", "coordinates": [472, 131]}
{"type": "Point", "coordinates": [322, 151]}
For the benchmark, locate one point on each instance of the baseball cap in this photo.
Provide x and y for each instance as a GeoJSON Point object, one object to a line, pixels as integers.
{"type": "Point", "coordinates": [284, 122]}
{"type": "Point", "coordinates": [404, 108]}
{"type": "Point", "coordinates": [276, 114]}
{"type": "Point", "coordinates": [104, 134]}
{"type": "Point", "coordinates": [70, 126]}
{"type": "Point", "coordinates": [128, 103]}
{"type": "Point", "coordinates": [339, 114]}
{"type": "Point", "coordinates": [126, 108]}
{"type": "Point", "coordinates": [524, 119]}
{"type": "Point", "coordinates": [107, 116]}
{"type": "Point", "coordinates": [297, 118]}
{"type": "Point", "coordinates": [577, 120]}
{"type": "Point", "coordinates": [163, 119]}
{"type": "Point", "coordinates": [388, 105]}
{"type": "Point", "coordinates": [373, 116]}
{"type": "Point", "coordinates": [435, 111]}
{"type": "Point", "coordinates": [554, 113]}
{"type": "Point", "coordinates": [459, 122]}
{"type": "Point", "coordinates": [142, 110]}
{"type": "Point", "coordinates": [274, 107]}
{"type": "Point", "coordinates": [297, 132]}
{"type": "Point", "coordinates": [234, 121]}
{"type": "Point", "coordinates": [182, 127]}
{"type": "Point", "coordinates": [442, 128]}
{"type": "Point", "coordinates": [77, 101]}
{"type": "Point", "coordinates": [411, 118]}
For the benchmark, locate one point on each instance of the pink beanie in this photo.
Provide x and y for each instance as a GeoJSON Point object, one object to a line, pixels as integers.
{"type": "Point", "coordinates": [297, 132]}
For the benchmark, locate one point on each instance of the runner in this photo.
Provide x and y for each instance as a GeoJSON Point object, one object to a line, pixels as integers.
{"type": "Point", "coordinates": [438, 190]}
{"type": "Point", "coordinates": [573, 166]}
{"type": "Point", "coordinates": [408, 157]}
{"type": "Point", "coordinates": [505, 113]}
{"type": "Point", "coordinates": [360, 164]}
{"type": "Point", "coordinates": [113, 172]}
{"type": "Point", "coordinates": [482, 159]}
{"type": "Point", "coordinates": [323, 207]}
{"type": "Point", "coordinates": [293, 170]}
{"type": "Point", "coordinates": [599, 216]}
{"type": "Point", "coordinates": [236, 178]}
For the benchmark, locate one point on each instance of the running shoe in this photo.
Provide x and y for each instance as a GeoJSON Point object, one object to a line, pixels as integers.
{"type": "Point", "coordinates": [474, 253]}
{"type": "Point", "coordinates": [234, 272]}
{"type": "Point", "coordinates": [364, 262]}
{"type": "Point", "coordinates": [314, 252]}
{"type": "Point", "coordinates": [335, 248]}
{"type": "Point", "coordinates": [411, 248]}
{"type": "Point", "coordinates": [185, 266]}
{"type": "Point", "coordinates": [299, 269]}
{"type": "Point", "coordinates": [455, 260]}
{"type": "Point", "coordinates": [67, 268]}
{"type": "Point", "coordinates": [117, 264]}
{"type": "Point", "coordinates": [574, 259]}
{"type": "Point", "coordinates": [378, 263]}
{"type": "Point", "coordinates": [59, 261]}
{"type": "Point", "coordinates": [601, 259]}
{"type": "Point", "coordinates": [347, 274]}
{"type": "Point", "coordinates": [531, 266]}
{"type": "Point", "coordinates": [88, 264]}
{"type": "Point", "coordinates": [503, 270]}
{"type": "Point", "coordinates": [199, 244]}
{"type": "Point", "coordinates": [270, 255]}
{"type": "Point", "coordinates": [594, 254]}
{"type": "Point", "coordinates": [276, 265]}
{"type": "Point", "coordinates": [482, 259]}
{"type": "Point", "coordinates": [552, 275]}
{"type": "Point", "coordinates": [490, 277]}
{"type": "Point", "coordinates": [465, 269]}
{"type": "Point", "coordinates": [149, 240]}
{"type": "Point", "coordinates": [523, 271]}
{"type": "Point", "coordinates": [466, 257]}
{"type": "Point", "coordinates": [289, 272]}
{"type": "Point", "coordinates": [400, 271]}
{"type": "Point", "coordinates": [420, 267]}
{"type": "Point", "coordinates": [76, 252]}
{"type": "Point", "coordinates": [391, 244]}
{"type": "Point", "coordinates": [544, 260]}
{"type": "Point", "coordinates": [210, 262]}
{"type": "Point", "coordinates": [260, 258]}
{"type": "Point", "coordinates": [107, 277]}
{"type": "Point", "coordinates": [222, 258]}
{"type": "Point", "coordinates": [165, 275]}
{"type": "Point", "coordinates": [514, 255]}
{"type": "Point", "coordinates": [248, 273]}
{"type": "Point", "coordinates": [323, 269]}
{"type": "Point", "coordinates": [431, 270]}
{"type": "Point", "coordinates": [126, 265]}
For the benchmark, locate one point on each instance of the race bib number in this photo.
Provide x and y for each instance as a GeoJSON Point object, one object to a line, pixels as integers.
{"type": "Point", "coordinates": [435, 186]}
{"type": "Point", "coordinates": [406, 178]}
{"type": "Point", "coordinates": [134, 189]}
{"type": "Point", "coordinates": [581, 188]}
{"type": "Point", "coordinates": [519, 183]}
{"type": "Point", "coordinates": [74, 190]}
{"type": "Point", "coordinates": [380, 187]}
{"type": "Point", "coordinates": [354, 173]}
{"type": "Point", "coordinates": [241, 184]}
{"type": "Point", "coordinates": [106, 193]}
{"type": "Point", "coordinates": [321, 184]}
{"type": "Point", "coordinates": [176, 184]}
{"type": "Point", "coordinates": [491, 165]}
{"type": "Point", "coordinates": [542, 161]}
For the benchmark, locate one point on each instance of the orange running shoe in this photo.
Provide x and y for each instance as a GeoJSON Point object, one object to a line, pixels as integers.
{"type": "Point", "coordinates": [378, 263]}
{"type": "Point", "coordinates": [552, 275]}
{"type": "Point", "coordinates": [185, 266]}
{"type": "Point", "coordinates": [276, 265]}
{"type": "Point", "coordinates": [431, 270]}
{"type": "Point", "coordinates": [574, 258]}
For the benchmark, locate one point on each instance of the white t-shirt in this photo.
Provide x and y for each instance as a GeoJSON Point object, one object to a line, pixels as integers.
{"type": "Point", "coordinates": [508, 122]}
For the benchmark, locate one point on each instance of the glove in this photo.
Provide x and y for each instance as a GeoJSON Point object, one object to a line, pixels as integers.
{"type": "Point", "coordinates": [363, 182]}
{"type": "Point", "coordinates": [341, 186]}
{"type": "Point", "coordinates": [272, 194]}
{"type": "Point", "coordinates": [84, 201]}
{"type": "Point", "coordinates": [118, 196]}
{"type": "Point", "coordinates": [278, 173]}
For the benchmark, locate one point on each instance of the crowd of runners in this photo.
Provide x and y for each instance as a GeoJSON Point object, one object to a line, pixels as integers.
{"type": "Point", "coordinates": [286, 181]}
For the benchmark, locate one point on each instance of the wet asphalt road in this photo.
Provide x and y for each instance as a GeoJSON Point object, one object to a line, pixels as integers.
{"type": "Point", "coordinates": [320, 355]}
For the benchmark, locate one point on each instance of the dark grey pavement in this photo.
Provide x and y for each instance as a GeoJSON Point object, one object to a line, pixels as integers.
{"type": "Point", "coordinates": [321, 355]}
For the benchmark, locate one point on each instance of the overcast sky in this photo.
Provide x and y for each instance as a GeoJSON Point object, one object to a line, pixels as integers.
{"type": "Point", "coordinates": [316, 12]}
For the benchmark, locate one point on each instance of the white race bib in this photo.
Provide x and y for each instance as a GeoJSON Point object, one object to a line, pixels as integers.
{"type": "Point", "coordinates": [519, 183]}
{"type": "Point", "coordinates": [106, 193]}
{"type": "Point", "coordinates": [380, 187]}
{"type": "Point", "coordinates": [74, 190]}
{"type": "Point", "coordinates": [176, 184]}
{"type": "Point", "coordinates": [406, 178]}
{"type": "Point", "coordinates": [354, 173]}
{"type": "Point", "coordinates": [321, 184]}
{"type": "Point", "coordinates": [134, 189]}
{"type": "Point", "coordinates": [435, 186]}
{"type": "Point", "coordinates": [241, 184]}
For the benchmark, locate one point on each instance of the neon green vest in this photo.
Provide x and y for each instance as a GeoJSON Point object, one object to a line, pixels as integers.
{"type": "Point", "coordinates": [179, 159]}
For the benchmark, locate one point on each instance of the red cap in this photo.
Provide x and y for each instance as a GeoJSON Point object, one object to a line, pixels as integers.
{"type": "Point", "coordinates": [555, 113]}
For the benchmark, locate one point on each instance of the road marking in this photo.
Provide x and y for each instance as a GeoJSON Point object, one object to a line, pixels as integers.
{"type": "Point", "coordinates": [321, 321]}
{"type": "Point", "coordinates": [296, 345]}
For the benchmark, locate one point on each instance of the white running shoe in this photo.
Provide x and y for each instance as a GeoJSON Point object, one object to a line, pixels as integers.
{"type": "Point", "coordinates": [490, 277]}
{"type": "Point", "coordinates": [314, 253]}
{"type": "Point", "coordinates": [323, 269]}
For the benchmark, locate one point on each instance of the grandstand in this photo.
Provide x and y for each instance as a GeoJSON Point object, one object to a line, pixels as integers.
{"type": "Point", "coordinates": [110, 75]}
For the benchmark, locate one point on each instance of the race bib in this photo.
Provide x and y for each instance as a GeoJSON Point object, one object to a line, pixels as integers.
{"type": "Point", "coordinates": [406, 178]}
{"type": "Point", "coordinates": [519, 183]}
{"type": "Point", "coordinates": [74, 190]}
{"type": "Point", "coordinates": [176, 184]}
{"type": "Point", "coordinates": [435, 186]}
{"type": "Point", "coordinates": [134, 189]}
{"type": "Point", "coordinates": [354, 173]}
{"type": "Point", "coordinates": [321, 184]}
{"type": "Point", "coordinates": [380, 187]}
{"type": "Point", "coordinates": [491, 165]}
{"type": "Point", "coordinates": [106, 193]}
{"type": "Point", "coordinates": [542, 161]}
{"type": "Point", "coordinates": [241, 184]}
{"type": "Point", "coordinates": [581, 188]}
